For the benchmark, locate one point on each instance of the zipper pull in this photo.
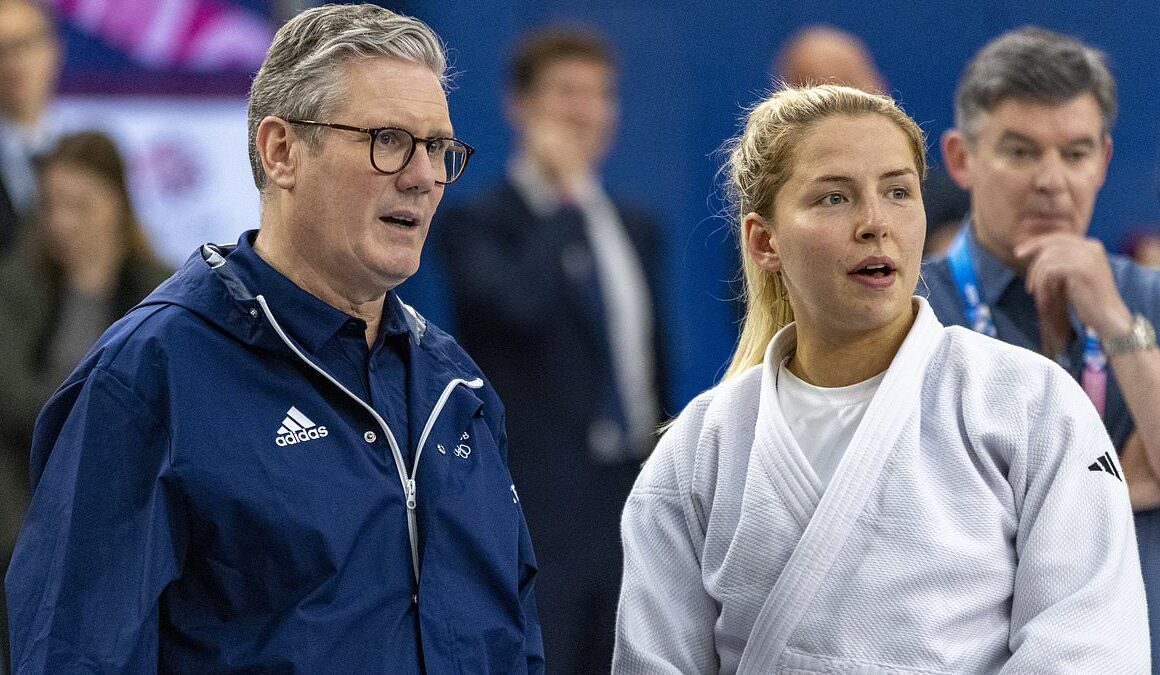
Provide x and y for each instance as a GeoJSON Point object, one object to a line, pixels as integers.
{"type": "Point", "coordinates": [411, 494]}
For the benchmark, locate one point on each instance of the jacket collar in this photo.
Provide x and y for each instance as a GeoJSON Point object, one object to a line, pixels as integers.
{"type": "Point", "coordinates": [208, 285]}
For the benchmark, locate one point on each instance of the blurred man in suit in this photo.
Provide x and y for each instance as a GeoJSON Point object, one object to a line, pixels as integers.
{"type": "Point", "coordinates": [29, 66]}
{"type": "Point", "coordinates": [553, 288]}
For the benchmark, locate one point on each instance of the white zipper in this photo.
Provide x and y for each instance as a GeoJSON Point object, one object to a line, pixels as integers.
{"type": "Point", "coordinates": [409, 486]}
{"type": "Point", "coordinates": [407, 482]}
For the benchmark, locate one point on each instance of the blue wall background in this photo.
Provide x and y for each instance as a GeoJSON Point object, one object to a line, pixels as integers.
{"type": "Point", "coordinates": [688, 71]}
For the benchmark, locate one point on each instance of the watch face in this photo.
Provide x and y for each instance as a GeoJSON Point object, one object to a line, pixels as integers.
{"type": "Point", "coordinates": [1142, 336]}
{"type": "Point", "coordinates": [1146, 331]}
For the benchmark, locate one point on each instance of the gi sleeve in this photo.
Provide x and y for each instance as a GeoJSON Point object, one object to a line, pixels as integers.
{"type": "Point", "coordinates": [102, 539]}
{"type": "Point", "coordinates": [1078, 603]}
{"type": "Point", "coordinates": [665, 618]}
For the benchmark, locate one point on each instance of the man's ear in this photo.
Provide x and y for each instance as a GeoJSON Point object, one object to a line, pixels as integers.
{"type": "Point", "coordinates": [515, 110]}
{"type": "Point", "coordinates": [278, 147]}
{"type": "Point", "coordinates": [760, 242]}
{"type": "Point", "coordinates": [1107, 158]}
{"type": "Point", "coordinates": [957, 157]}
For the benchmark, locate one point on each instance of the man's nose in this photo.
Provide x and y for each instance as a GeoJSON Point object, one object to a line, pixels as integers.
{"type": "Point", "coordinates": [418, 173]}
{"type": "Point", "coordinates": [1050, 174]}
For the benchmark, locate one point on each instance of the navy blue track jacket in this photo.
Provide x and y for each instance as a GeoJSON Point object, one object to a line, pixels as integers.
{"type": "Point", "coordinates": [208, 500]}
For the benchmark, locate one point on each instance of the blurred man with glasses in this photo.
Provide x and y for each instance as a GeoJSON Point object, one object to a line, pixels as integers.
{"type": "Point", "coordinates": [554, 290]}
{"type": "Point", "coordinates": [273, 463]}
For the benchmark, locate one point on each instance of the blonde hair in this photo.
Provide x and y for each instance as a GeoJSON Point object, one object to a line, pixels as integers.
{"type": "Point", "coordinates": [759, 162]}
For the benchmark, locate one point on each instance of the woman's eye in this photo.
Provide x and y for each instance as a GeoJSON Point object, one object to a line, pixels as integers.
{"type": "Point", "coordinates": [899, 193]}
{"type": "Point", "coordinates": [833, 199]}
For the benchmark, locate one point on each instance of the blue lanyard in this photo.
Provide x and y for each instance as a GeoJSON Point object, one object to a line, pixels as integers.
{"type": "Point", "coordinates": [963, 270]}
{"type": "Point", "coordinates": [1095, 370]}
{"type": "Point", "coordinates": [1094, 378]}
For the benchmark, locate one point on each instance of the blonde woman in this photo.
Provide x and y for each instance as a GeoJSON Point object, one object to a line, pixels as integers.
{"type": "Point", "coordinates": [868, 491]}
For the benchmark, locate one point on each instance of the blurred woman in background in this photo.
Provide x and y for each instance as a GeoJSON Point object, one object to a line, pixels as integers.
{"type": "Point", "coordinates": [83, 263]}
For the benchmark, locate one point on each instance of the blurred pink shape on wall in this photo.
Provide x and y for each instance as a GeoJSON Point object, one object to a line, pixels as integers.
{"type": "Point", "coordinates": [201, 35]}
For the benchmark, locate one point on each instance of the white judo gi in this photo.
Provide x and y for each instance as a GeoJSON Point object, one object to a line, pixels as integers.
{"type": "Point", "coordinates": [978, 522]}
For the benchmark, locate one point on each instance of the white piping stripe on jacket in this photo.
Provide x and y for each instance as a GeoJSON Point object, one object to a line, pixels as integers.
{"type": "Point", "coordinates": [408, 483]}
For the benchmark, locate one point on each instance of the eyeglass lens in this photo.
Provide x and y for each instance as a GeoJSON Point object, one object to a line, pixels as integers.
{"type": "Point", "coordinates": [393, 147]}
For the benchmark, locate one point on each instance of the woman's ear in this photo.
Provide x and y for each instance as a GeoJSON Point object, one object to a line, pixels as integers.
{"type": "Point", "coordinates": [760, 241]}
{"type": "Point", "coordinates": [276, 145]}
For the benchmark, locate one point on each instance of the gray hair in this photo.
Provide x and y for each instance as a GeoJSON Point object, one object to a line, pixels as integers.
{"type": "Point", "coordinates": [301, 76]}
{"type": "Point", "coordinates": [1033, 64]}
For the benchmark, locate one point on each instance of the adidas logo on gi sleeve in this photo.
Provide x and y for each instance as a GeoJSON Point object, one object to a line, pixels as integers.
{"type": "Point", "coordinates": [1104, 463]}
{"type": "Point", "coordinates": [298, 428]}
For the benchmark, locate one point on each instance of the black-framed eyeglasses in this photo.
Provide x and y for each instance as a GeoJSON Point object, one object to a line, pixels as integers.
{"type": "Point", "coordinates": [392, 148]}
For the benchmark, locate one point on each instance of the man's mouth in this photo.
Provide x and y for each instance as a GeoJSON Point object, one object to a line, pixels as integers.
{"type": "Point", "coordinates": [399, 220]}
{"type": "Point", "coordinates": [1048, 217]}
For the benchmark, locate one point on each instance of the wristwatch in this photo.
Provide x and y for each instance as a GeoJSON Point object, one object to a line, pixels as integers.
{"type": "Point", "coordinates": [1141, 336]}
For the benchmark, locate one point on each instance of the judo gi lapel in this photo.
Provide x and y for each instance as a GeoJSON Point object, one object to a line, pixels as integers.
{"type": "Point", "coordinates": [837, 512]}
{"type": "Point", "coordinates": [774, 444]}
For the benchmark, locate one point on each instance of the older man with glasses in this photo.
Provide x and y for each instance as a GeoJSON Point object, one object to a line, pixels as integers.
{"type": "Point", "coordinates": [273, 463]}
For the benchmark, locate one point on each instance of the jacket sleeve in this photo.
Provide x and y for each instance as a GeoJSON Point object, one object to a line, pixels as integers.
{"type": "Point", "coordinates": [102, 538]}
{"type": "Point", "coordinates": [1078, 603]}
{"type": "Point", "coordinates": [665, 618]}
{"type": "Point", "coordinates": [533, 651]}
{"type": "Point", "coordinates": [533, 636]}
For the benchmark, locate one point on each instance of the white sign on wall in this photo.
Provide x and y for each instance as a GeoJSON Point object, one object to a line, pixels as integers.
{"type": "Point", "coordinates": [189, 172]}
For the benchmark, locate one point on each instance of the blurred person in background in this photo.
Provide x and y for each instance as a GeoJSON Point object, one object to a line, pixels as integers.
{"type": "Point", "coordinates": [85, 263]}
{"type": "Point", "coordinates": [554, 291]}
{"type": "Point", "coordinates": [820, 54]}
{"type": "Point", "coordinates": [82, 263]}
{"type": "Point", "coordinates": [1032, 142]}
{"type": "Point", "coordinates": [30, 58]}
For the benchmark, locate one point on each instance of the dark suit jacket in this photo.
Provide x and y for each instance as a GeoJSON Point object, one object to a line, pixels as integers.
{"type": "Point", "coordinates": [522, 301]}
{"type": "Point", "coordinates": [9, 220]}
